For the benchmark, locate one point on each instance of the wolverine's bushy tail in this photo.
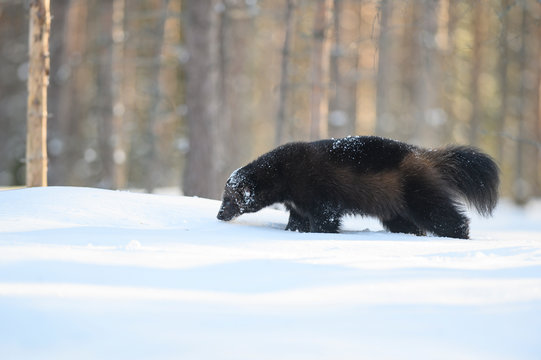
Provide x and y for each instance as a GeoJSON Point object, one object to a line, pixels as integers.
{"type": "Point", "coordinates": [473, 174]}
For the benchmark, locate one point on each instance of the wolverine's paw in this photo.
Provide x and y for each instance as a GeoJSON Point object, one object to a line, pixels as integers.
{"type": "Point", "coordinates": [300, 226]}
{"type": "Point", "coordinates": [297, 222]}
{"type": "Point", "coordinates": [399, 224]}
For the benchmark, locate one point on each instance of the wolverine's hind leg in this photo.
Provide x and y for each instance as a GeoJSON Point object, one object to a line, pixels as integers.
{"type": "Point", "coordinates": [399, 224]}
{"type": "Point", "coordinates": [431, 207]}
{"type": "Point", "coordinates": [444, 220]}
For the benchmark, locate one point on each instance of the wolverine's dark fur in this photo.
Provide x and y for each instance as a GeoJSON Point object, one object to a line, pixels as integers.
{"type": "Point", "coordinates": [410, 189]}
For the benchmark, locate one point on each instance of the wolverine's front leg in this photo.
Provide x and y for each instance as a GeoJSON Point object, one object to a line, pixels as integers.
{"type": "Point", "coordinates": [325, 219]}
{"type": "Point", "coordinates": [297, 222]}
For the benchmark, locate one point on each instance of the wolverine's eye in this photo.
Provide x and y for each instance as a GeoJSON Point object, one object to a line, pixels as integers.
{"type": "Point", "coordinates": [247, 196]}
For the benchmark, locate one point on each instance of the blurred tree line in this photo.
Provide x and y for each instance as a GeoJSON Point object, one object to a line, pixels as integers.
{"type": "Point", "coordinates": [169, 93]}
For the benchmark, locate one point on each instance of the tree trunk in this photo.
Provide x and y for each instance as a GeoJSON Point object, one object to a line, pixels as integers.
{"type": "Point", "coordinates": [319, 102]}
{"type": "Point", "coordinates": [38, 79]}
{"type": "Point", "coordinates": [152, 173]}
{"type": "Point", "coordinates": [70, 107]}
{"type": "Point", "coordinates": [103, 102]}
{"type": "Point", "coordinates": [284, 72]}
{"type": "Point", "coordinates": [235, 89]}
{"type": "Point", "coordinates": [427, 119]}
{"type": "Point", "coordinates": [503, 61]}
{"type": "Point", "coordinates": [342, 102]}
{"type": "Point", "coordinates": [537, 125]}
{"type": "Point", "coordinates": [384, 119]}
{"type": "Point", "coordinates": [201, 36]}
{"type": "Point", "coordinates": [521, 185]}
{"type": "Point", "coordinates": [449, 74]}
{"type": "Point", "coordinates": [56, 46]}
{"type": "Point", "coordinates": [537, 100]}
{"type": "Point", "coordinates": [117, 81]}
{"type": "Point", "coordinates": [475, 73]}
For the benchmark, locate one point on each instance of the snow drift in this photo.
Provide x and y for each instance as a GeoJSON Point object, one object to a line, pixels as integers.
{"type": "Point", "coordinates": [90, 273]}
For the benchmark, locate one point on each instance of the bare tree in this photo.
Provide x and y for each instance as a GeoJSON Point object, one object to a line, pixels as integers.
{"type": "Point", "coordinates": [236, 84]}
{"type": "Point", "coordinates": [152, 163]}
{"type": "Point", "coordinates": [343, 81]}
{"type": "Point", "coordinates": [200, 26]}
{"type": "Point", "coordinates": [449, 68]}
{"type": "Point", "coordinates": [103, 104]}
{"type": "Point", "coordinates": [284, 72]}
{"type": "Point", "coordinates": [384, 73]}
{"type": "Point", "coordinates": [427, 117]}
{"type": "Point", "coordinates": [319, 101]}
{"type": "Point", "coordinates": [477, 24]}
{"type": "Point", "coordinates": [117, 81]}
{"type": "Point", "coordinates": [503, 61]}
{"type": "Point", "coordinates": [38, 79]}
{"type": "Point", "coordinates": [520, 185]}
{"type": "Point", "coordinates": [537, 116]}
{"type": "Point", "coordinates": [71, 78]}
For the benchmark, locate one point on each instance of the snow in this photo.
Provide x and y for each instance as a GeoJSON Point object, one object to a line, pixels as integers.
{"type": "Point", "coordinates": [236, 178]}
{"type": "Point", "coordinates": [98, 274]}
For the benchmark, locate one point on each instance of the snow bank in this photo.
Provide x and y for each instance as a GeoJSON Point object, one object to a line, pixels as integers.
{"type": "Point", "coordinates": [90, 273]}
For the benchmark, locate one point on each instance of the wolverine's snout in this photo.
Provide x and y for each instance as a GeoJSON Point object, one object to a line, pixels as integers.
{"type": "Point", "coordinates": [228, 211]}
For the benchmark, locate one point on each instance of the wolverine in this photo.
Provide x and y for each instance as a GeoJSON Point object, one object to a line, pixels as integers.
{"type": "Point", "coordinates": [408, 188]}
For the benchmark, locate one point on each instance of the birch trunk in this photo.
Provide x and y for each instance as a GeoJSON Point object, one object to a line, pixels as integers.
{"type": "Point", "coordinates": [38, 79]}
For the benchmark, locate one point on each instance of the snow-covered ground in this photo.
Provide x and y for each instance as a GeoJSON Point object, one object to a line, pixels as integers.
{"type": "Point", "coordinates": [96, 274]}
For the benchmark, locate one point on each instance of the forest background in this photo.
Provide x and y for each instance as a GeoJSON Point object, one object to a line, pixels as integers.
{"type": "Point", "coordinates": [178, 93]}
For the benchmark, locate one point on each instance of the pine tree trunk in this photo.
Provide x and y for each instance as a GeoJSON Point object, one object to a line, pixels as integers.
{"type": "Point", "coordinates": [117, 81]}
{"type": "Point", "coordinates": [521, 185]}
{"type": "Point", "coordinates": [319, 107]}
{"type": "Point", "coordinates": [384, 75]}
{"type": "Point", "coordinates": [103, 103]}
{"type": "Point", "coordinates": [475, 73]}
{"type": "Point", "coordinates": [343, 92]}
{"type": "Point", "coordinates": [503, 61]}
{"type": "Point", "coordinates": [426, 118]}
{"type": "Point", "coordinates": [449, 74]}
{"type": "Point", "coordinates": [284, 72]}
{"type": "Point", "coordinates": [537, 125]}
{"type": "Point", "coordinates": [152, 173]}
{"type": "Point", "coordinates": [235, 89]}
{"type": "Point", "coordinates": [70, 108]}
{"type": "Point", "coordinates": [201, 36]}
{"type": "Point", "coordinates": [38, 79]}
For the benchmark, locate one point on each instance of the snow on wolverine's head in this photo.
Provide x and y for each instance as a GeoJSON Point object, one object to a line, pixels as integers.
{"type": "Point", "coordinates": [238, 197]}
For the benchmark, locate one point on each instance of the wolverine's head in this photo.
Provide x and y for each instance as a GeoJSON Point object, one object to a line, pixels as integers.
{"type": "Point", "coordinates": [239, 196]}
